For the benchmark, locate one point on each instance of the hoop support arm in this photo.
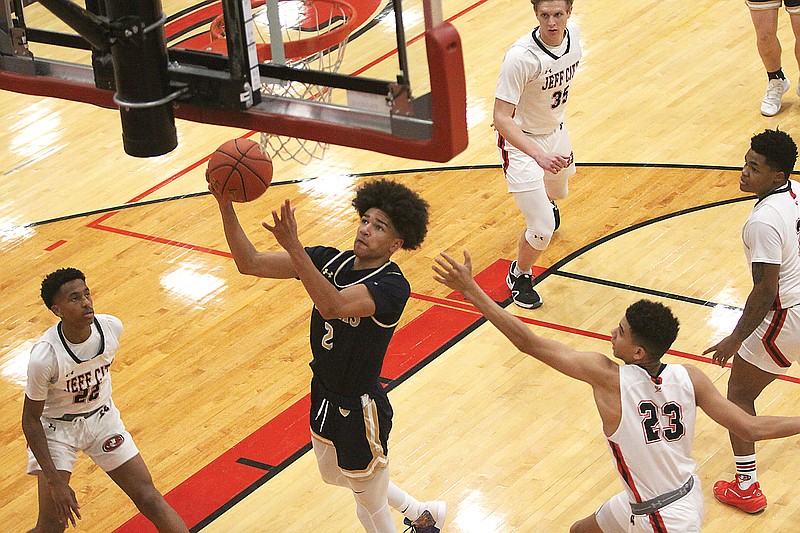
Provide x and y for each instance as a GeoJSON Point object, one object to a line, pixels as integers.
{"type": "Point", "coordinates": [439, 139]}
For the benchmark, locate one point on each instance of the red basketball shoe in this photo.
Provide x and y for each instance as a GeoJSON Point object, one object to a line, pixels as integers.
{"type": "Point", "coordinates": [750, 500]}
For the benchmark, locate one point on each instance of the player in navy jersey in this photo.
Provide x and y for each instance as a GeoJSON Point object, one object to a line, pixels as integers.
{"type": "Point", "coordinates": [68, 408]}
{"type": "Point", "coordinates": [359, 296]}
{"type": "Point", "coordinates": [647, 409]}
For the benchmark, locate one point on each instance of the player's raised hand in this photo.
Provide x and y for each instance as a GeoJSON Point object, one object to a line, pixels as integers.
{"type": "Point", "coordinates": [453, 274]}
{"type": "Point", "coordinates": [285, 227]}
{"type": "Point", "coordinates": [216, 191]}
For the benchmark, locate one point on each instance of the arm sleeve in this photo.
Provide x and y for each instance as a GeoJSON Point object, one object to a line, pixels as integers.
{"type": "Point", "coordinates": [42, 371]}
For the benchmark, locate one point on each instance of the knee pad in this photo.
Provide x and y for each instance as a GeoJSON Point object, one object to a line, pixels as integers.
{"type": "Point", "coordinates": [537, 239]}
{"type": "Point", "coordinates": [540, 222]}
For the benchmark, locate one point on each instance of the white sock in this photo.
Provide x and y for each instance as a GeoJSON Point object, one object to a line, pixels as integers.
{"type": "Point", "coordinates": [745, 470]}
{"type": "Point", "coordinates": [404, 502]}
{"type": "Point", "coordinates": [517, 272]}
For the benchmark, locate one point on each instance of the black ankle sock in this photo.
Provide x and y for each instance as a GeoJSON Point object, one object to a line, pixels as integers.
{"type": "Point", "coordinates": [777, 75]}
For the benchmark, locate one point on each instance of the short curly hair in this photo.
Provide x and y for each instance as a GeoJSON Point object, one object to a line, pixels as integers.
{"type": "Point", "coordinates": [54, 280]}
{"type": "Point", "coordinates": [778, 149]}
{"type": "Point", "coordinates": [406, 209]}
{"type": "Point", "coordinates": [653, 326]}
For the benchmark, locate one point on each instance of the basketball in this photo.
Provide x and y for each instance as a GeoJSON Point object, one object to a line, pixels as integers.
{"type": "Point", "coordinates": [240, 169]}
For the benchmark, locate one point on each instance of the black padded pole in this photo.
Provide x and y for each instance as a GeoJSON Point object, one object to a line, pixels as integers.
{"type": "Point", "coordinates": [139, 54]}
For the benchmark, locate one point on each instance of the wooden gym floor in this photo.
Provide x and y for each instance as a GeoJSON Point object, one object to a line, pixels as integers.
{"type": "Point", "coordinates": [212, 376]}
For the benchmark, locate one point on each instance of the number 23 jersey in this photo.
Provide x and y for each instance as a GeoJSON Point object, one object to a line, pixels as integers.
{"type": "Point", "coordinates": [652, 447]}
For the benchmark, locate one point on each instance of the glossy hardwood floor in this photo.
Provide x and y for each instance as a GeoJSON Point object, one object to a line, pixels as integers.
{"type": "Point", "coordinates": [209, 356]}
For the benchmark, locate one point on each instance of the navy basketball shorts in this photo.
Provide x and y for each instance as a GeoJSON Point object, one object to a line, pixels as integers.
{"type": "Point", "coordinates": [792, 6]}
{"type": "Point", "coordinates": [358, 427]}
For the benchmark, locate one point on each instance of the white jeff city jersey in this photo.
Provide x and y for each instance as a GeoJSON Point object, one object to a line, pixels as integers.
{"type": "Point", "coordinates": [771, 236]}
{"type": "Point", "coordinates": [535, 78]}
{"type": "Point", "coordinates": [73, 378]}
{"type": "Point", "coordinates": [652, 446]}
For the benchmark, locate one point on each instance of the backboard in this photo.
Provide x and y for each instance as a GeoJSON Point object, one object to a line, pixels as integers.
{"type": "Point", "coordinates": [155, 68]}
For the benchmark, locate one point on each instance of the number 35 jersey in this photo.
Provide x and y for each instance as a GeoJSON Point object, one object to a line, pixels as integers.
{"type": "Point", "coordinates": [652, 446]}
{"type": "Point", "coordinates": [536, 79]}
{"type": "Point", "coordinates": [73, 378]}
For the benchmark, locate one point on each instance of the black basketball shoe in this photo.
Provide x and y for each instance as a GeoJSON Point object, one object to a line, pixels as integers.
{"type": "Point", "coordinates": [522, 292]}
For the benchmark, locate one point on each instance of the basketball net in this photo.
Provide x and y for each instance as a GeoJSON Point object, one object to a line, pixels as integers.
{"type": "Point", "coordinates": [314, 35]}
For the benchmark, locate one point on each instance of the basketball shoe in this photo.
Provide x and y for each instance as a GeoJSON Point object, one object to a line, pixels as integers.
{"type": "Point", "coordinates": [772, 99]}
{"type": "Point", "coordinates": [522, 292]}
{"type": "Point", "coordinates": [750, 500]}
{"type": "Point", "coordinates": [556, 215]}
{"type": "Point", "coordinates": [430, 521]}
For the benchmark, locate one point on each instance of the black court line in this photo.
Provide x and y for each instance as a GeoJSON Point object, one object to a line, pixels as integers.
{"type": "Point", "coordinates": [645, 290]}
{"type": "Point", "coordinates": [373, 174]}
{"type": "Point", "coordinates": [555, 269]}
{"type": "Point", "coordinates": [273, 471]}
{"type": "Point", "coordinates": [255, 464]}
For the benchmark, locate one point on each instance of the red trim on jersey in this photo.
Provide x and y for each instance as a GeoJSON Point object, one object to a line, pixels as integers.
{"type": "Point", "coordinates": [770, 338]}
{"type": "Point", "coordinates": [656, 521]}
{"type": "Point", "coordinates": [624, 471]}
{"type": "Point", "coordinates": [501, 143]}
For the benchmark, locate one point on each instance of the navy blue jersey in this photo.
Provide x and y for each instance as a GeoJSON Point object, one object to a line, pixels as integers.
{"type": "Point", "coordinates": [348, 352]}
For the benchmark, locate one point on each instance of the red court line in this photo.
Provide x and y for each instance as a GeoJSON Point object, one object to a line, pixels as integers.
{"type": "Point", "coordinates": [152, 238]}
{"type": "Point", "coordinates": [224, 479]}
{"type": "Point", "coordinates": [465, 306]}
{"type": "Point", "coordinates": [414, 39]}
{"type": "Point", "coordinates": [55, 245]}
{"type": "Point", "coordinates": [169, 180]}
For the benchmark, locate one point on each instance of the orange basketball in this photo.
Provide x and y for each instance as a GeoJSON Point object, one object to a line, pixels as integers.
{"type": "Point", "coordinates": [240, 169]}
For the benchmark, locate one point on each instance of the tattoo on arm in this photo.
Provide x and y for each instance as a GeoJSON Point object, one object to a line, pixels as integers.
{"type": "Point", "coordinates": [758, 273]}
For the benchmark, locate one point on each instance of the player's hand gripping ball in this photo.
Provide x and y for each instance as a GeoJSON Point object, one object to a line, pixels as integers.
{"type": "Point", "coordinates": [240, 170]}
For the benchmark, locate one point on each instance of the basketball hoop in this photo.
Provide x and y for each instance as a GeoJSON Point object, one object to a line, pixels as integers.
{"type": "Point", "coordinates": [314, 34]}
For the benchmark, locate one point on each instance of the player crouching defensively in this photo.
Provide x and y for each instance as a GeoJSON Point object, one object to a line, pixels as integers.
{"type": "Point", "coordinates": [68, 408]}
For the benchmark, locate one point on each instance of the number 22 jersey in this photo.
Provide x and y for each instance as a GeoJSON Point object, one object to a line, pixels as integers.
{"type": "Point", "coordinates": [73, 378]}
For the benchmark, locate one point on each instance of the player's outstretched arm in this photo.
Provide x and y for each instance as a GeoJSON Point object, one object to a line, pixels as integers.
{"type": "Point", "coordinates": [585, 366]}
{"type": "Point", "coordinates": [732, 417]}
